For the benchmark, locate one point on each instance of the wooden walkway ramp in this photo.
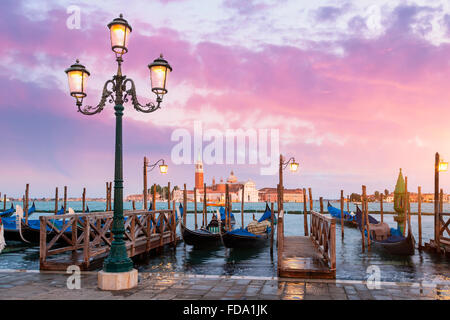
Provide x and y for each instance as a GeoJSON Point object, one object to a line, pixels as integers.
{"type": "Point", "coordinates": [310, 257]}
{"type": "Point", "coordinates": [85, 239]}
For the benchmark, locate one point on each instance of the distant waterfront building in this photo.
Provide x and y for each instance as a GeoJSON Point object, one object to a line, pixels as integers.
{"type": "Point", "coordinates": [216, 191]}
{"type": "Point", "coordinates": [289, 195]}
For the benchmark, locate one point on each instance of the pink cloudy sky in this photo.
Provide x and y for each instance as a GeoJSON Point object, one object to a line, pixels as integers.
{"type": "Point", "coordinates": [358, 89]}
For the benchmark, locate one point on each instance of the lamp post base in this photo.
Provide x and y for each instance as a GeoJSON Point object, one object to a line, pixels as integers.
{"type": "Point", "coordinates": [112, 281]}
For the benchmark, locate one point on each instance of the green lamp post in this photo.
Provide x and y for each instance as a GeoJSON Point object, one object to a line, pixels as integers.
{"type": "Point", "coordinates": [118, 90]}
{"type": "Point", "coordinates": [399, 195]}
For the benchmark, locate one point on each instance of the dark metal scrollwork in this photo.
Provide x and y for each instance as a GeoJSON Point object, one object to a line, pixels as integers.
{"type": "Point", "coordinates": [148, 108]}
{"type": "Point", "coordinates": [90, 110]}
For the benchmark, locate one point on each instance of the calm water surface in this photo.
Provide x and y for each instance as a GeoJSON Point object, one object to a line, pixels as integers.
{"type": "Point", "coordinates": [352, 264]}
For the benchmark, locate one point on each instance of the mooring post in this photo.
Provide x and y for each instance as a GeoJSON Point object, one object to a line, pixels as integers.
{"type": "Point", "coordinates": [271, 227]}
{"type": "Point", "coordinates": [27, 189]}
{"type": "Point", "coordinates": [366, 210]}
{"type": "Point", "coordinates": [242, 207]}
{"type": "Point", "coordinates": [381, 206]}
{"type": "Point", "coordinates": [205, 217]}
{"type": "Point", "coordinates": [363, 219]}
{"type": "Point", "coordinates": [321, 204]}
{"type": "Point", "coordinates": [154, 197]}
{"type": "Point", "coordinates": [133, 205]}
{"type": "Point", "coordinates": [184, 204]}
{"type": "Point", "coordinates": [195, 207]}
{"type": "Point", "coordinates": [4, 202]}
{"type": "Point", "coordinates": [348, 204]}
{"type": "Point", "coordinates": [56, 200]}
{"type": "Point", "coordinates": [227, 208]}
{"type": "Point", "coordinates": [168, 198]}
{"type": "Point", "coordinates": [84, 200]}
{"type": "Point", "coordinates": [419, 214]}
{"type": "Point", "coordinates": [145, 191]}
{"type": "Point", "coordinates": [405, 205]}
{"type": "Point", "coordinates": [342, 214]}
{"type": "Point", "coordinates": [305, 213]}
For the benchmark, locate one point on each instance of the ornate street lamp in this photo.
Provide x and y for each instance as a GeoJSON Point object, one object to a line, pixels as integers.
{"type": "Point", "coordinates": [163, 168]}
{"type": "Point", "coordinates": [293, 166]}
{"type": "Point", "coordinates": [118, 90]}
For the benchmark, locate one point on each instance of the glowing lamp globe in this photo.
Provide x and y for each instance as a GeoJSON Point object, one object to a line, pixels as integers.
{"type": "Point", "coordinates": [294, 166]}
{"type": "Point", "coordinates": [163, 168]}
{"type": "Point", "coordinates": [159, 70]}
{"type": "Point", "coordinates": [77, 75]}
{"type": "Point", "coordinates": [120, 33]}
{"type": "Point", "coordinates": [443, 166]}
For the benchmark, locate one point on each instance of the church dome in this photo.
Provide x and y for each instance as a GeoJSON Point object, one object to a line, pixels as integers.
{"type": "Point", "coordinates": [232, 178]}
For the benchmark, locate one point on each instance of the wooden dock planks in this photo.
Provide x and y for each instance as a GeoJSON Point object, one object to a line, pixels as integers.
{"type": "Point", "coordinates": [301, 259]}
{"type": "Point", "coordinates": [308, 257]}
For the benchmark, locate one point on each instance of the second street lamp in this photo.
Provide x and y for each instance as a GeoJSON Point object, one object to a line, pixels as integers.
{"type": "Point", "coordinates": [293, 166]}
{"type": "Point", "coordinates": [163, 168]}
{"type": "Point", "coordinates": [118, 91]}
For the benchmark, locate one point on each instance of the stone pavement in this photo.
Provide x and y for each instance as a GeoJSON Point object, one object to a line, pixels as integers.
{"type": "Point", "coordinates": [33, 284]}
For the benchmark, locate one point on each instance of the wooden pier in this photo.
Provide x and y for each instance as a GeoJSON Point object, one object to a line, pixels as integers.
{"type": "Point", "coordinates": [84, 239]}
{"type": "Point", "coordinates": [310, 257]}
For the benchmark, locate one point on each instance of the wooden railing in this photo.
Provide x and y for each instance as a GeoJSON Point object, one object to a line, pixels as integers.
{"type": "Point", "coordinates": [444, 232]}
{"type": "Point", "coordinates": [89, 234]}
{"type": "Point", "coordinates": [323, 235]}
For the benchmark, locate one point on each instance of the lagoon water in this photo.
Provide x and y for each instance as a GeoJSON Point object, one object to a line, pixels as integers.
{"type": "Point", "coordinates": [352, 264]}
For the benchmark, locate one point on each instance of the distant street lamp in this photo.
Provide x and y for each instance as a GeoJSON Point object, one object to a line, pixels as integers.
{"type": "Point", "coordinates": [293, 166]}
{"type": "Point", "coordinates": [118, 90]}
{"type": "Point", "coordinates": [439, 166]}
{"type": "Point", "coordinates": [163, 168]}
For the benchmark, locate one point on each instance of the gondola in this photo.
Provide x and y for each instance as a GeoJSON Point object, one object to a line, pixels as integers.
{"type": "Point", "coordinates": [209, 236]}
{"type": "Point", "coordinates": [31, 231]}
{"type": "Point", "coordinates": [349, 218]}
{"type": "Point", "coordinates": [8, 213]}
{"type": "Point", "coordinates": [393, 243]}
{"type": "Point", "coordinates": [243, 238]}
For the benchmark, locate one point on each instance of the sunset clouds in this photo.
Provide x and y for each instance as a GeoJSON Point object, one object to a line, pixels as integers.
{"type": "Point", "coordinates": [357, 90]}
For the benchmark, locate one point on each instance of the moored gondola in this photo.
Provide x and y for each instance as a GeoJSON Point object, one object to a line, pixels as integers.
{"type": "Point", "coordinates": [349, 218]}
{"type": "Point", "coordinates": [387, 239]}
{"type": "Point", "coordinates": [209, 235]}
{"type": "Point", "coordinates": [256, 234]}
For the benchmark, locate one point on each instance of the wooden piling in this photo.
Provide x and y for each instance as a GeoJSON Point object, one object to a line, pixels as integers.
{"type": "Point", "coordinates": [184, 204]}
{"type": "Point", "coordinates": [441, 202]}
{"type": "Point", "coordinates": [227, 207]}
{"type": "Point", "coordinates": [348, 204]}
{"type": "Point", "coordinates": [205, 217]}
{"type": "Point", "coordinates": [409, 213]}
{"type": "Point", "coordinates": [145, 191]}
{"type": "Point", "coordinates": [107, 196]}
{"type": "Point", "coordinates": [168, 201]}
{"type": "Point", "coordinates": [56, 200]}
{"type": "Point", "coordinates": [381, 206]}
{"type": "Point", "coordinates": [65, 199]}
{"type": "Point", "coordinates": [310, 200]}
{"type": "Point", "coordinates": [84, 200]}
{"type": "Point", "coordinates": [4, 202]}
{"type": "Point", "coordinates": [195, 207]}
{"type": "Point", "coordinates": [110, 196]}
{"type": "Point", "coordinates": [321, 204]}
{"type": "Point", "coordinates": [342, 214]}
{"type": "Point", "coordinates": [133, 204]}
{"type": "Point", "coordinates": [271, 227]}
{"type": "Point", "coordinates": [366, 211]}
{"type": "Point", "coordinates": [363, 219]}
{"type": "Point", "coordinates": [419, 214]}
{"type": "Point", "coordinates": [154, 197]}
{"type": "Point", "coordinates": [305, 213]}
{"type": "Point", "coordinates": [405, 205]}
{"type": "Point", "coordinates": [242, 207]}
{"type": "Point", "coordinates": [27, 189]}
